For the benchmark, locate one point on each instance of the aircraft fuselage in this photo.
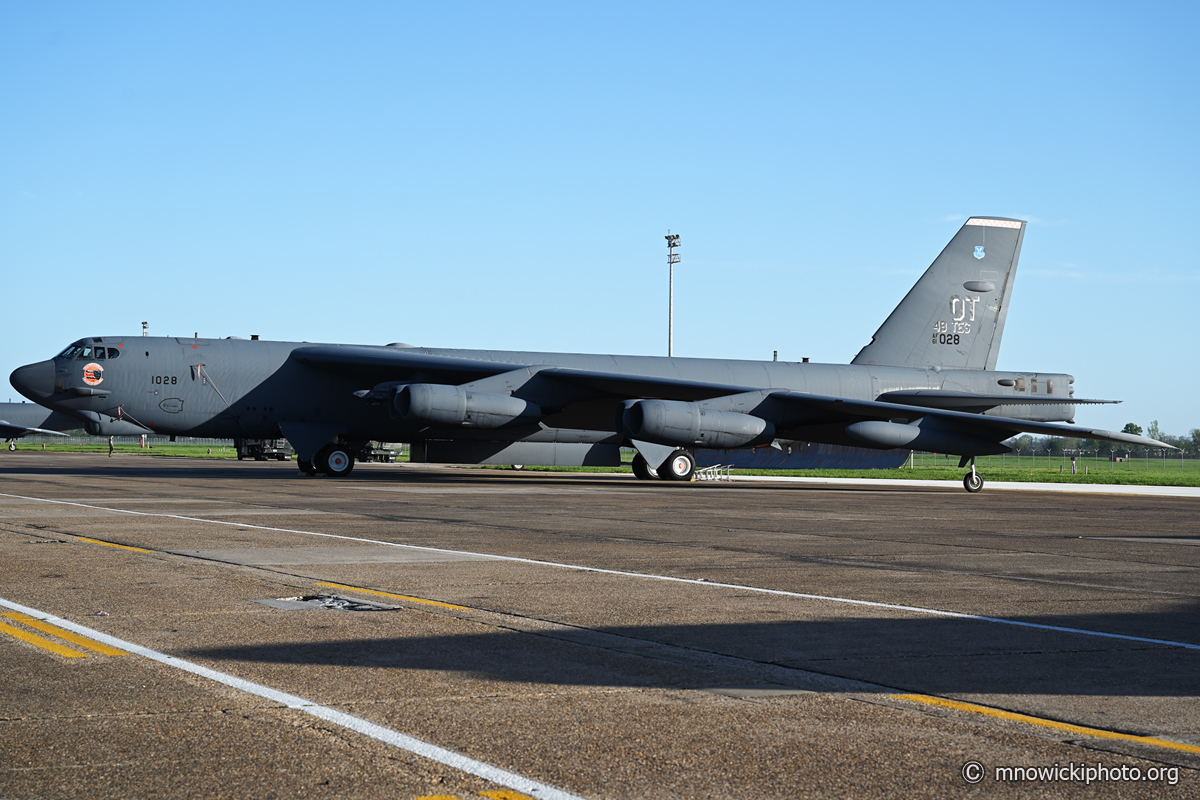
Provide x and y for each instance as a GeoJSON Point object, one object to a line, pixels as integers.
{"type": "Point", "coordinates": [237, 388]}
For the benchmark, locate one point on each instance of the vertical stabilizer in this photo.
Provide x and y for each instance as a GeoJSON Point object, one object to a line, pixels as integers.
{"type": "Point", "coordinates": [954, 316]}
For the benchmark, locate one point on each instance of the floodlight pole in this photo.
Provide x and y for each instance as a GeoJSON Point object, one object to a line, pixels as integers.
{"type": "Point", "coordinates": [672, 260]}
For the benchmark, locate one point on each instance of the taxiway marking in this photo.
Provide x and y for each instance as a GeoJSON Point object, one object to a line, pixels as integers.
{"type": "Point", "coordinates": [63, 634]}
{"type": "Point", "coordinates": [397, 596]}
{"type": "Point", "coordinates": [535, 789]}
{"type": "Point", "coordinates": [111, 544]}
{"type": "Point", "coordinates": [45, 644]}
{"type": "Point", "coordinates": [1010, 486]}
{"type": "Point", "coordinates": [641, 575]}
{"type": "Point", "coordinates": [1098, 733]}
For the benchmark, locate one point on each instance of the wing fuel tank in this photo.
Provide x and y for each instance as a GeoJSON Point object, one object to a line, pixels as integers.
{"type": "Point", "coordinates": [877, 433]}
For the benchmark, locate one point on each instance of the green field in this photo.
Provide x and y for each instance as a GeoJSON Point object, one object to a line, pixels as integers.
{"type": "Point", "coordinates": [1042, 469]}
{"type": "Point", "coordinates": [101, 446]}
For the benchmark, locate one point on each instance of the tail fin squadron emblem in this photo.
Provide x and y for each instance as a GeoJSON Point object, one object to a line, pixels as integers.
{"type": "Point", "coordinates": [93, 374]}
{"type": "Point", "coordinates": [979, 251]}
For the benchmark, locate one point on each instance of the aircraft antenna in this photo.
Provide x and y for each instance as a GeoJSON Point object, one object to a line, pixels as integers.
{"type": "Point", "coordinates": [672, 260]}
{"type": "Point", "coordinates": [145, 329]}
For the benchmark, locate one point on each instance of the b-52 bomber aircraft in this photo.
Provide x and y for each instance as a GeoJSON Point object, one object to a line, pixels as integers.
{"type": "Point", "coordinates": [23, 419]}
{"type": "Point", "coordinates": [927, 381]}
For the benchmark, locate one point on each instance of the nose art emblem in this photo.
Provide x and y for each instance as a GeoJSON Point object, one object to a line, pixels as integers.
{"type": "Point", "coordinates": [93, 374]}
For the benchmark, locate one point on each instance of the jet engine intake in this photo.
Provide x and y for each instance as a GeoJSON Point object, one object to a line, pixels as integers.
{"type": "Point", "coordinates": [923, 435]}
{"type": "Point", "coordinates": [673, 422]}
{"type": "Point", "coordinates": [438, 404]}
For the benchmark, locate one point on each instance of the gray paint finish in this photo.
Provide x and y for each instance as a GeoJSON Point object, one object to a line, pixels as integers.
{"type": "Point", "coordinates": [940, 343]}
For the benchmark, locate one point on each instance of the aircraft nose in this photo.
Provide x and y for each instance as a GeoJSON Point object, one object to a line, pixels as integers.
{"type": "Point", "coordinates": [35, 381]}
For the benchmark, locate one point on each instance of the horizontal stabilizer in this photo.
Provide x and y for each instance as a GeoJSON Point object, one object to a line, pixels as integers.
{"type": "Point", "coordinates": [968, 401]}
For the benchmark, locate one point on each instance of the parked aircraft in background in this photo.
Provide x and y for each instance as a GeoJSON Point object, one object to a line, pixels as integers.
{"type": "Point", "coordinates": [927, 381]}
{"type": "Point", "coordinates": [21, 419]}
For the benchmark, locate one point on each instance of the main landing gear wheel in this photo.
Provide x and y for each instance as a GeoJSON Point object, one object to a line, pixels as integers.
{"type": "Point", "coordinates": [335, 460]}
{"type": "Point", "coordinates": [681, 466]}
{"type": "Point", "coordinates": [643, 470]}
{"type": "Point", "coordinates": [306, 466]}
{"type": "Point", "coordinates": [12, 446]}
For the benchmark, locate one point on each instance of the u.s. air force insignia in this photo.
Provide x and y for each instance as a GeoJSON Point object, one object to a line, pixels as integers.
{"type": "Point", "coordinates": [93, 374]}
{"type": "Point", "coordinates": [979, 251]}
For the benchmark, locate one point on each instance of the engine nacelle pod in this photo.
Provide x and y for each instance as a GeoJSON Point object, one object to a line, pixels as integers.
{"type": "Point", "coordinates": [689, 425]}
{"type": "Point", "coordinates": [924, 435]}
{"type": "Point", "coordinates": [104, 425]}
{"type": "Point", "coordinates": [454, 406]}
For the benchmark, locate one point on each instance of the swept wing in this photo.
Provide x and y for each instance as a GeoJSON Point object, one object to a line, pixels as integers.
{"type": "Point", "coordinates": [955, 411]}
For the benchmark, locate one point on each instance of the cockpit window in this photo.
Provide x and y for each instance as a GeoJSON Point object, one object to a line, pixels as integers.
{"type": "Point", "coordinates": [90, 353]}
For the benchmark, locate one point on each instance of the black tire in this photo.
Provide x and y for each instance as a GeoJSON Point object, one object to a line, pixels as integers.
{"type": "Point", "coordinates": [643, 470]}
{"type": "Point", "coordinates": [681, 466]}
{"type": "Point", "coordinates": [973, 482]}
{"type": "Point", "coordinates": [335, 460]}
{"type": "Point", "coordinates": [306, 466]}
{"type": "Point", "coordinates": [12, 446]}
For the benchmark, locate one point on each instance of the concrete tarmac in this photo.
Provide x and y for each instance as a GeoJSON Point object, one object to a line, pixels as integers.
{"type": "Point", "coordinates": [465, 633]}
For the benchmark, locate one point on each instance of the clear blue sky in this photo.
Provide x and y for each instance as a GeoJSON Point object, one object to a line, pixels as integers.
{"type": "Point", "coordinates": [501, 175]}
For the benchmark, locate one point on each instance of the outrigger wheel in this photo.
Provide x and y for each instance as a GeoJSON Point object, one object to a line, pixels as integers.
{"type": "Point", "coordinates": [335, 460]}
{"type": "Point", "coordinates": [973, 481]}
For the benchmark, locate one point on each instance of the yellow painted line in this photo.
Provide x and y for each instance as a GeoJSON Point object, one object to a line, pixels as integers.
{"type": "Point", "coordinates": [397, 596]}
{"type": "Point", "coordinates": [1047, 723]}
{"type": "Point", "coordinates": [505, 794]}
{"type": "Point", "coordinates": [46, 644]}
{"type": "Point", "coordinates": [110, 544]}
{"type": "Point", "coordinates": [61, 633]}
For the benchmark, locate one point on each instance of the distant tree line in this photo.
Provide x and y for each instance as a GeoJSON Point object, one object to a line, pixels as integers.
{"type": "Point", "coordinates": [1189, 444]}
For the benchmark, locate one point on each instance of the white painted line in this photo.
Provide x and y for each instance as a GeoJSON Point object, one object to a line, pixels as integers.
{"type": "Point", "coordinates": [358, 724]}
{"type": "Point", "coordinates": [1003, 486]}
{"type": "Point", "coordinates": [642, 575]}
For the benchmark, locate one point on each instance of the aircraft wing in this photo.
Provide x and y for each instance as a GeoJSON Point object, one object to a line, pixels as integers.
{"type": "Point", "coordinates": [837, 409]}
{"type": "Point", "coordinates": [642, 387]}
{"type": "Point", "coordinates": [825, 410]}
{"type": "Point", "coordinates": [8, 431]}
{"type": "Point", "coordinates": [379, 364]}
